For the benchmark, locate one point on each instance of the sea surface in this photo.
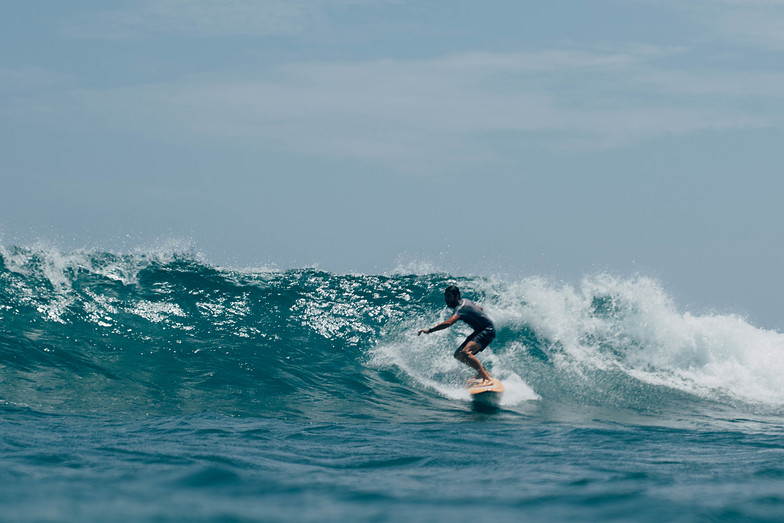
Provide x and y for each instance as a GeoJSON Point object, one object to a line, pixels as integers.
{"type": "Point", "coordinates": [158, 387]}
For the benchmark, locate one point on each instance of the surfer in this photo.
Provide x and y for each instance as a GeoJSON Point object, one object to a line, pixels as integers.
{"type": "Point", "coordinates": [473, 315]}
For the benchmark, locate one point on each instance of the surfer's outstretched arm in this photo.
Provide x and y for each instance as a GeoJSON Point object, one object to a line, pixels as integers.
{"type": "Point", "coordinates": [441, 326]}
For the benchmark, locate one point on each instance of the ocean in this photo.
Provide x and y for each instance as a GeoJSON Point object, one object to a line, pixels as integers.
{"type": "Point", "coordinates": [154, 386]}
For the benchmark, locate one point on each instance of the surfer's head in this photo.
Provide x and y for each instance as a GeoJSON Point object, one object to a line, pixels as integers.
{"type": "Point", "coordinates": [452, 296]}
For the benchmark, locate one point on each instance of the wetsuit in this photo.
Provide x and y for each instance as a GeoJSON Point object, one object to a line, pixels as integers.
{"type": "Point", "coordinates": [484, 330]}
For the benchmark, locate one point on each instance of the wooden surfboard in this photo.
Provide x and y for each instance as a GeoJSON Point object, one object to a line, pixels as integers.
{"type": "Point", "coordinates": [487, 392]}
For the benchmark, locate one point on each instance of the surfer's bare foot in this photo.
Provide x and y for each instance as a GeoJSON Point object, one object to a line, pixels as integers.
{"type": "Point", "coordinates": [480, 382]}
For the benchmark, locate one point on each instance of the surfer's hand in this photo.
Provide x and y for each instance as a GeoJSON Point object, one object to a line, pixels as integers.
{"type": "Point", "coordinates": [423, 330]}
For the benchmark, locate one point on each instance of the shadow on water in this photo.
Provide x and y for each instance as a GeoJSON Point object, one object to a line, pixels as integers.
{"type": "Point", "coordinates": [481, 407]}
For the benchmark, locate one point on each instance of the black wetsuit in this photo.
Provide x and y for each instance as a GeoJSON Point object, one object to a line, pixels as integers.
{"type": "Point", "coordinates": [472, 314]}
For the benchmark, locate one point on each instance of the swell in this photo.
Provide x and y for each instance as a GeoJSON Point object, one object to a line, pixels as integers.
{"type": "Point", "coordinates": [95, 331]}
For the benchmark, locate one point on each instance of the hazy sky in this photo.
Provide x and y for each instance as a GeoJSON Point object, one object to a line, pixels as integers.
{"type": "Point", "coordinates": [519, 138]}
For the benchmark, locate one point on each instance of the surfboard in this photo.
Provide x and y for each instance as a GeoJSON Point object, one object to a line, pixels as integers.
{"type": "Point", "coordinates": [488, 393]}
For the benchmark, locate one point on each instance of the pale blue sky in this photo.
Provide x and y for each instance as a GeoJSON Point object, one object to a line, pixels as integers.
{"type": "Point", "coordinates": [552, 139]}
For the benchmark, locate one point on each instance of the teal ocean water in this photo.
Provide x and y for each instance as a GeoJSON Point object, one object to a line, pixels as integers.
{"type": "Point", "coordinates": [157, 387]}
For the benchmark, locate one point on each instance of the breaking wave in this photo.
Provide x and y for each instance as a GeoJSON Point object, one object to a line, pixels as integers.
{"type": "Point", "coordinates": [166, 332]}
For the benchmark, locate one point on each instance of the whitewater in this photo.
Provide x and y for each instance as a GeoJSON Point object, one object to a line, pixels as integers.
{"type": "Point", "coordinates": [156, 386]}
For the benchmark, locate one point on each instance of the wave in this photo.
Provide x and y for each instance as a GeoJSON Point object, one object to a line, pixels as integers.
{"type": "Point", "coordinates": [165, 332]}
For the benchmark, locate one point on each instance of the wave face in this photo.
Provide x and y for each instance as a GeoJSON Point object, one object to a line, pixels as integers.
{"type": "Point", "coordinates": [168, 333]}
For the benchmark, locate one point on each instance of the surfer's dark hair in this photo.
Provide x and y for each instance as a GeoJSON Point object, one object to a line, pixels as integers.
{"type": "Point", "coordinates": [452, 294]}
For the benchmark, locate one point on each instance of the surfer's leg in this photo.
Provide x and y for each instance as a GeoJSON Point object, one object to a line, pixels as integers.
{"type": "Point", "coordinates": [466, 354]}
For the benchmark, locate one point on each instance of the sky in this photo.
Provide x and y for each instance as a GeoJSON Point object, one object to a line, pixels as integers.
{"type": "Point", "coordinates": [510, 138]}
